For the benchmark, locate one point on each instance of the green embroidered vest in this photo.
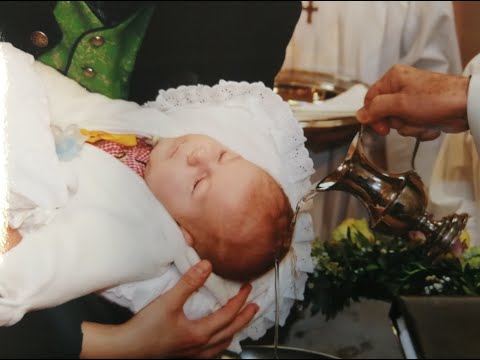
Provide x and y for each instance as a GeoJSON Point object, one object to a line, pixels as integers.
{"type": "Point", "coordinates": [99, 58]}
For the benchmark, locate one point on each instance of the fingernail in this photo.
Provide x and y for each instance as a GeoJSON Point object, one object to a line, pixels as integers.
{"type": "Point", "coordinates": [204, 266]}
{"type": "Point", "coordinates": [361, 115]}
{"type": "Point", "coordinates": [256, 308]}
{"type": "Point", "coordinates": [246, 285]}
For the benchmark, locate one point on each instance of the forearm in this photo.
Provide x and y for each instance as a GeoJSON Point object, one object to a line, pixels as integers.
{"type": "Point", "coordinates": [56, 332]}
{"type": "Point", "coordinates": [106, 342]}
{"type": "Point", "coordinates": [130, 340]}
{"type": "Point", "coordinates": [103, 329]}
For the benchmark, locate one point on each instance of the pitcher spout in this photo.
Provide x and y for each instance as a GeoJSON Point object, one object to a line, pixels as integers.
{"type": "Point", "coordinates": [332, 181]}
{"type": "Point", "coordinates": [325, 184]}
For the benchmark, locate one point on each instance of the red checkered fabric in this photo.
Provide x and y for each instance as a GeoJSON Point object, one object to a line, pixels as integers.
{"type": "Point", "coordinates": [135, 157]}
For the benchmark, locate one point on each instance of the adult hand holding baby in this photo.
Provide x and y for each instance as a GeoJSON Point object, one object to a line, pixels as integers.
{"type": "Point", "coordinates": [176, 335]}
{"type": "Point", "coordinates": [417, 103]}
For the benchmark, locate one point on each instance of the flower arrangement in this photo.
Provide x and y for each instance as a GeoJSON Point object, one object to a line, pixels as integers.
{"type": "Point", "coordinates": [358, 263]}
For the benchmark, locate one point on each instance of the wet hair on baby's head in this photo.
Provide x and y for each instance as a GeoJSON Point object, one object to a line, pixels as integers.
{"type": "Point", "coordinates": [260, 231]}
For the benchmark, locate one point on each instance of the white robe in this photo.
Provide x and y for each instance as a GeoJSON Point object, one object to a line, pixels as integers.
{"type": "Point", "coordinates": [361, 40]}
{"type": "Point", "coordinates": [455, 184]}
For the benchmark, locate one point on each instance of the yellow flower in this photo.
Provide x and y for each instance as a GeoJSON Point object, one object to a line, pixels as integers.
{"type": "Point", "coordinates": [460, 244]}
{"type": "Point", "coordinates": [356, 226]}
{"type": "Point", "coordinates": [465, 238]}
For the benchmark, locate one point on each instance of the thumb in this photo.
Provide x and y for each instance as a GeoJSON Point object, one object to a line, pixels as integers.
{"type": "Point", "coordinates": [190, 282]}
{"type": "Point", "coordinates": [381, 127]}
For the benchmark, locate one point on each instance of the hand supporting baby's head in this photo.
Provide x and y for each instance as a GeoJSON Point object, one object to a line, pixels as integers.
{"type": "Point", "coordinates": [231, 211]}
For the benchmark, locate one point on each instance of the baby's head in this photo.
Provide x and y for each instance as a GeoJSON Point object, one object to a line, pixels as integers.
{"type": "Point", "coordinates": [231, 211]}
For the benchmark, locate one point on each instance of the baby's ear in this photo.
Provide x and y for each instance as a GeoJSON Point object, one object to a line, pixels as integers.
{"type": "Point", "coordinates": [188, 237]}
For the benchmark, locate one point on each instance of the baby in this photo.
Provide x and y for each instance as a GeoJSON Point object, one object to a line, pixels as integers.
{"type": "Point", "coordinates": [232, 212]}
{"type": "Point", "coordinates": [130, 230]}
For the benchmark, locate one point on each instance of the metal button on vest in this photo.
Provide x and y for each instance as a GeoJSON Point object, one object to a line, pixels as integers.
{"type": "Point", "coordinates": [89, 72]}
{"type": "Point", "coordinates": [39, 39]}
{"type": "Point", "coordinates": [97, 41]}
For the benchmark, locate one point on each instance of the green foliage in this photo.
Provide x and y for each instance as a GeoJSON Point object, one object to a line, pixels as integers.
{"type": "Point", "coordinates": [355, 264]}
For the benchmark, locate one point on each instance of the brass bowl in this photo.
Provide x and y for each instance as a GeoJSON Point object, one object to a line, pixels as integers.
{"type": "Point", "coordinates": [310, 86]}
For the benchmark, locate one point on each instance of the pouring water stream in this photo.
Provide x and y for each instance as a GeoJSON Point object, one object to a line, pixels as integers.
{"type": "Point", "coordinates": [315, 190]}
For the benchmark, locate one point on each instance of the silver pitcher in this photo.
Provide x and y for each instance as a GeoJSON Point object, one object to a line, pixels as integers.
{"type": "Point", "coordinates": [396, 202]}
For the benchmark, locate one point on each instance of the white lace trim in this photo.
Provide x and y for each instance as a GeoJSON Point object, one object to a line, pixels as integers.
{"type": "Point", "coordinates": [293, 175]}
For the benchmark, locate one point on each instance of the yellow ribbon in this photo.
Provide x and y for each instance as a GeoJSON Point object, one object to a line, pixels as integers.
{"type": "Point", "coordinates": [123, 139]}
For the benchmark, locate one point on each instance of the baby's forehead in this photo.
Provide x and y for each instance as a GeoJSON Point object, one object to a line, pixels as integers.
{"type": "Point", "coordinates": [252, 176]}
{"type": "Point", "coordinates": [199, 137]}
{"type": "Point", "coordinates": [252, 192]}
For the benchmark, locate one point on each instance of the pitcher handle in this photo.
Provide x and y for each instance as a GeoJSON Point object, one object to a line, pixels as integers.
{"type": "Point", "coordinates": [415, 149]}
{"type": "Point", "coordinates": [360, 138]}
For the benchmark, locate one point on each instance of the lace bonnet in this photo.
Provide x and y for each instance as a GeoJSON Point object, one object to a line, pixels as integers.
{"type": "Point", "coordinates": [256, 123]}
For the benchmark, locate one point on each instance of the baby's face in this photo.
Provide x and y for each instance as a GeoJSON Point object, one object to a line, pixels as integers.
{"type": "Point", "coordinates": [203, 184]}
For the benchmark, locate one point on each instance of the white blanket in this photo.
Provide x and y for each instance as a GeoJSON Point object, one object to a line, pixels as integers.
{"type": "Point", "coordinates": [112, 230]}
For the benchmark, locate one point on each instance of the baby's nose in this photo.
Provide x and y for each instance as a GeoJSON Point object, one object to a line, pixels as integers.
{"type": "Point", "coordinates": [200, 156]}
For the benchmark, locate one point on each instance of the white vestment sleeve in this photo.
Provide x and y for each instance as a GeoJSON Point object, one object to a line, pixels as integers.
{"type": "Point", "coordinates": [473, 109]}
{"type": "Point", "coordinates": [455, 184]}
